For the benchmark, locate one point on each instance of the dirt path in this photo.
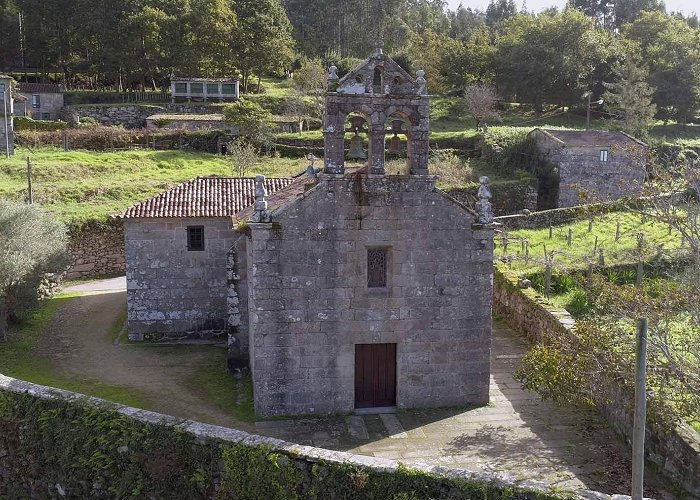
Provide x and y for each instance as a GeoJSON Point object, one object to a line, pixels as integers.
{"type": "Point", "coordinates": [79, 342]}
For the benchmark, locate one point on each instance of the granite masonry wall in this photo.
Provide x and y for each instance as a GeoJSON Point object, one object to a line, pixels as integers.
{"type": "Point", "coordinates": [128, 115]}
{"type": "Point", "coordinates": [325, 472]}
{"type": "Point", "coordinates": [675, 453]}
{"type": "Point", "coordinates": [508, 198]}
{"type": "Point", "coordinates": [583, 178]}
{"type": "Point", "coordinates": [173, 292]}
{"type": "Point", "coordinates": [96, 249]}
{"type": "Point", "coordinates": [309, 302]}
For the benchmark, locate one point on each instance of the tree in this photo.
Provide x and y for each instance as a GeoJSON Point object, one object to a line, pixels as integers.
{"type": "Point", "coordinates": [32, 244]}
{"type": "Point", "coordinates": [627, 11]}
{"type": "Point", "coordinates": [672, 50]}
{"type": "Point", "coordinates": [550, 58]}
{"type": "Point", "coordinates": [310, 81]}
{"type": "Point", "coordinates": [296, 105]}
{"type": "Point", "coordinates": [629, 99]}
{"type": "Point", "coordinates": [254, 121]}
{"type": "Point", "coordinates": [481, 103]}
{"type": "Point", "coordinates": [472, 61]}
{"type": "Point", "coordinates": [499, 11]}
{"type": "Point", "coordinates": [262, 42]}
{"type": "Point", "coordinates": [244, 156]}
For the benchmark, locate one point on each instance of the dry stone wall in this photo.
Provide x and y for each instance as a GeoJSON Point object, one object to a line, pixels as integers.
{"type": "Point", "coordinates": [128, 115]}
{"type": "Point", "coordinates": [96, 249]}
{"type": "Point", "coordinates": [675, 453]}
{"type": "Point", "coordinates": [194, 458]}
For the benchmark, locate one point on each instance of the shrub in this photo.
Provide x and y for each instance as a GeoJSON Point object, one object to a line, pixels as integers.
{"type": "Point", "coordinates": [578, 304]}
{"type": "Point", "coordinates": [450, 168]}
{"type": "Point", "coordinates": [509, 149]}
{"type": "Point", "coordinates": [26, 123]}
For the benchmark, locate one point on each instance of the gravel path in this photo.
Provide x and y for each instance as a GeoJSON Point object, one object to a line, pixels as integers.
{"type": "Point", "coordinates": [80, 343]}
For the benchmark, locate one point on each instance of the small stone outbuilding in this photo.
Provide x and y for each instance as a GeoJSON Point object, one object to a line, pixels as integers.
{"type": "Point", "coordinates": [588, 166]}
{"type": "Point", "coordinates": [44, 101]}
{"type": "Point", "coordinates": [175, 248]}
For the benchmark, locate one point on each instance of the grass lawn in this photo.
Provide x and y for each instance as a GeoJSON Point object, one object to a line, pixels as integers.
{"type": "Point", "coordinates": [87, 184]}
{"type": "Point", "coordinates": [656, 236]}
{"type": "Point", "coordinates": [18, 359]}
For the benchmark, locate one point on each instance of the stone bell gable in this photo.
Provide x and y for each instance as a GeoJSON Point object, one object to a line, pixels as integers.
{"type": "Point", "coordinates": [381, 96]}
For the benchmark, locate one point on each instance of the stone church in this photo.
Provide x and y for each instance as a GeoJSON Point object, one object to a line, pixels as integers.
{"type": "Point", "coordinates": [346, 289]}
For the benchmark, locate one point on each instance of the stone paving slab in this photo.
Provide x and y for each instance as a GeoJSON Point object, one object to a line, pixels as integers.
{"type": "Point", "coordinates": [517, 433]}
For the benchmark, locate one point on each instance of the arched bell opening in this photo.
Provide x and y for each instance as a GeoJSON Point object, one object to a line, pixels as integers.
{"type": "Point", "coordinates": [356, 136]}
{"type": "Point", "coordinates": [397, 144]}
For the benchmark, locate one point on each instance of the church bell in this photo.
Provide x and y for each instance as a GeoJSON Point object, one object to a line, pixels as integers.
{"type": "Point", "coordinates": [357, 150]}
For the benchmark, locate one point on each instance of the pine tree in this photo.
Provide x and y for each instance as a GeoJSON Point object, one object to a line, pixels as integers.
{"type": "Point", "coordinates": [630, 99]}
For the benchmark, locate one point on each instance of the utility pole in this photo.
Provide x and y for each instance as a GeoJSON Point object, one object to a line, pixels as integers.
{"type": "Point", "coordinates": [7, 127]}
{"type": "Point", "coordinates": [30, 197]}
{"type": "Point", "coordinates": [640, 413]}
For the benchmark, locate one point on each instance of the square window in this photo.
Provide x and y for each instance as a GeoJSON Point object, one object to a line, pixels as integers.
{"type": "Point", "coordinates": [603, 155]}
{"type": "Point", "coordinates": [196, 88]}
{"type": "Point", "coordinates": [376, 267]}
{"type": "Point", "coordinates": [228, 89]}
{"type": "Point", "coordinates": [195, 238]}
{"type": "Point", "coordinates": [212, 88]}
{"type": "Point", "coordinates": [36, 101]}
{"type": "Point", "coordinates": [45, 116]}
{"type": "Point", "coordinates": [180, 88]}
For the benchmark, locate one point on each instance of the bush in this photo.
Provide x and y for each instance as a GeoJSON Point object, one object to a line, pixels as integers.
{"type": "Point", "coordinates": [450, 168]}
{"type": "Point", "coordinates": [509, 149]}
{"type": "Point", "coordinates": [26, 123]}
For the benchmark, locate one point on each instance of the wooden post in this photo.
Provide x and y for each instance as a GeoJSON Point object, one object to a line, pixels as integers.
{"type": "Point", "coordinates": [640, 413]}
{"type": "Point", "coordinates": [570, 237]}
{"type": "Point", "coordinates": [601, 258]}
{"type": "Point", "coordinates": [617, 232]}
{"type": "Point", "coordinates": [547, 278]}
{"type": "Point", "coordinates": [550, 232]}
{"type": "Point", "coordinates": [595, 245]}
{"type": "Point", "coordinates": [590, 225]}
{"type": "Point", "coordinates": [527, 250]}
{"type": "Point", "coordinates": [30, 187]}
{"type": "Point", "coordinates": [504, 242]}
{"type": "Point", "coordinates": [640, 260]}
{"type": "Point", "coordinates": [589, 274]}
{"type": "Point", "coordinates": [65, 140]}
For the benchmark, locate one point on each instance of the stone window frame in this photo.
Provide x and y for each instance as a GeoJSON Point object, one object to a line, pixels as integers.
{"type": "Point", "coordinates": [604, 155]}
{"type": "Point", "coordinates": [378, 289]}
{"type": "Point", "coordinates": [36, 101]}
{"type": "Point", "coordinates": [181, 88]}
{"type": "Point", "coordinates": [195, 242]}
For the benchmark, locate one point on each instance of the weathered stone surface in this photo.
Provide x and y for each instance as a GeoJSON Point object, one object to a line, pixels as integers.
{"type": "Point", "coordinates": [171, 291]}
{"type": "Point", "coordinates": [128, 115]}
{"type": "Point", "coordinates": [309, 303]}
{"type": "Point", "coordinates": [96, 250]}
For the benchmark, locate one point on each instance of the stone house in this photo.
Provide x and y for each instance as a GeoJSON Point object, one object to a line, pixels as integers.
{"type": "Point", "coordinates": [44, 101]}
{"type": "Point", "coordinates": [587, 166]}
{"type": "Point", "coordinates": [7, 128]}
{"type": "Point", "coordinates": [342, 289]}
{"type": "Point", "coordinates": [175, 250]}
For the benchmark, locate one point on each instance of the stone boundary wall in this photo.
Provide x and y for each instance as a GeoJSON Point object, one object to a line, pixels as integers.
{"type": "Point", "coordinates": [212, 439]}
{"type": "Point", "coordinates": [129, 115]}
{"type": "Point", "coordinates": [508, 198]}
{"type": "Point", "coordinates": [96, 249]}
{"type": "Point", "coordinates": [676, 453]}
{"type": "Point", "coordinates": [560, 216]}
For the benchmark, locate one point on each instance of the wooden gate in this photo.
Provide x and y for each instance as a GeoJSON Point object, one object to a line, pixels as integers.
{"type": "Point", "coordinates": [375, 375]}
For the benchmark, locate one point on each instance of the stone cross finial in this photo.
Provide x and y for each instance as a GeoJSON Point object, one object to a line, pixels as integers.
{"type": "Point", "coordinates": [333, 73]}
{"type": "Point", "coordinates": [261, 213]}
{"type": "Point", "coordinates": [311, 171]}
{"type": "Point", "coordinates": [483, 206]}
{"type": "Point", "coordinates": [422, 82]}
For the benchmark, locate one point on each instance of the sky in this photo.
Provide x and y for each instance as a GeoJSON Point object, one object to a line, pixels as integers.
{"type": "Point", "coordinates": [685, 6]}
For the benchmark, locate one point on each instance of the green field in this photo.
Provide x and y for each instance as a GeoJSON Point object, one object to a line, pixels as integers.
{"type": "Point", "coordinates": [583, 250]}
{"type": "Point", "coordinates": [87, 184]}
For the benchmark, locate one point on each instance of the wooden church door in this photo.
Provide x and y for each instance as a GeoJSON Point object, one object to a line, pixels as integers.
{"type": "Point", "coordinates": [375, 375]}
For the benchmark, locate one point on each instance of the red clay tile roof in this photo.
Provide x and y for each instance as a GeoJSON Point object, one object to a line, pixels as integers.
{"type": "Point", "coordinates": [204, 197]}
{"type": "Point", "coordinates": [39, 88]}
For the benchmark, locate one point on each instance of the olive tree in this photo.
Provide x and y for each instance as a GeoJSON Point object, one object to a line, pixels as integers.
{"type": "Point", "coordinates": [32, 244]}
